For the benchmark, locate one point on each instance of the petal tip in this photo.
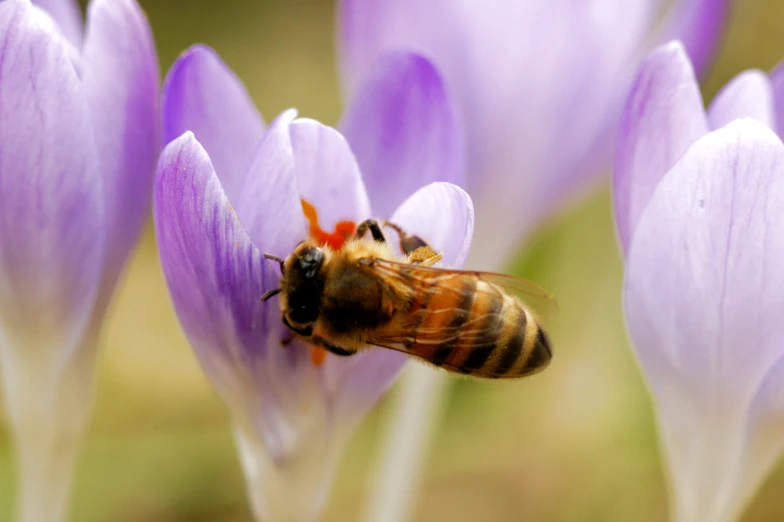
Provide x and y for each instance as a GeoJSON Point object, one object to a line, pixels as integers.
{"type": "Point", "coordinates": [288, 116]}
{"type": "Point", "coordinates": [746, 126]}
{"type": "Point", "coordinates": [197, 53]}
{"type": "Point", "coordinates": [672, 55]}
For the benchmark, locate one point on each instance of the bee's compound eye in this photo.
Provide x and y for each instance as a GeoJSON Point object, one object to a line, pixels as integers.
{"type": "Point", "coordinates": [310, 260]}
{"type": "Point", "coordinates": [304, 314]}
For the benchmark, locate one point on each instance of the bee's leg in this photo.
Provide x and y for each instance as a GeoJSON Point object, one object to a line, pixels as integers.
{"type": "Point", "coordinates": [375, 230]}
{"type": "Point", "coordinates": [287, 338]}
{"type": "Point", "coordinates": [408, 243]}
{"type": "Point", "coordinates": [425, 256]}
{"type": "Point", "coordinates": [272, 257]}
{"type": "Point", "coordinates": [415, 247]}
{"type": "Point", "coordinates": [337, 350]}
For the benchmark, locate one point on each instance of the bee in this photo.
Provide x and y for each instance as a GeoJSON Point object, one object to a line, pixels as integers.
{"type": "Point", "coordinates": [363, 294]}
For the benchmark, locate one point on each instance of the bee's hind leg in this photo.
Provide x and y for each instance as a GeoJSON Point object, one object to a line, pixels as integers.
{"type": "Point", "coordinates": [375, 230]}
{"type": "Point", "coordinates": [337, 350]}
{"type": "Point", "coordinates": [425, 256]}
{"type": "Point", "coordinates": [415, 247]}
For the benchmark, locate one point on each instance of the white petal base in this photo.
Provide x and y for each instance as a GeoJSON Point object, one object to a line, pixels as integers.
{"type": "Point", "coordinates": [292, 489]}
{"type": "Point", "coordinates": [49, 396]}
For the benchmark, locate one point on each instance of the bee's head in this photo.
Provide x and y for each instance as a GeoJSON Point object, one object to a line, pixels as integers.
{"type": "Point", "coordinates": [302, 286]}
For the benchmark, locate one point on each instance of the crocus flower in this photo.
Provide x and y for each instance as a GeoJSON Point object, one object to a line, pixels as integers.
{"type": "Point", "coordinates": [699, 206]}
{"type": "Point", "coordinates": [78, 143]}
{"type": "Point", "coordinates": [230, 190]}
{"type": "Point", "coordinates": [539, 83]}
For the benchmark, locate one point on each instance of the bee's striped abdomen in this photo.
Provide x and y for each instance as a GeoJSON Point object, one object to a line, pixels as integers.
{"type": "Point", "coordinates": [473, 328]}
{"type": "Point", "coordinates": [523, 347]}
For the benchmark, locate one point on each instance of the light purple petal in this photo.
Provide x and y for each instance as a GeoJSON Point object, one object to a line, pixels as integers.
{"type": "Point", "coordinates": [703, 272]}
{"type": "Point", "coordinates": [203, 95]}
{"type": "Point", "coordinates": [52, 229]}
{"type": "Point", "coordinates": [539, 86]}
{"type": "Point", "coordinates": [766, 425]}
{"type": "Point", "coordinates": [120, 76]}
{"type": "Point", "coordinates": [777, 82]}
{"type": "Point", "coordinates": [404, 130]}
{"type": "Point", "coordinates": [362, 382]}
{"type": "Point", "coordinates": [268, 203]}
{"type": "Point", "coordinates": [442, 214]}
{"type": "Point", "coordinates": [704, 297]}
{"type": "Point", "coordinates": [663, 117]}
{"type": "Point", "coordinates": [699, 24]}
{"type": "Point", "coordinates": [215, 275]}
{"type": "Point", "coordinates": [327, 174]}
{"type": "Point", "coordinates": [68, 16]}
{"type": "Point", "coordinates": [361, 35]}
{"type": "Point", "coordinates": [749, 94]}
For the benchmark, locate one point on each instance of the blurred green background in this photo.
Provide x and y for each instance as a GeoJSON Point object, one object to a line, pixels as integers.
{"type": "Point", "coordinates": [576, 443]}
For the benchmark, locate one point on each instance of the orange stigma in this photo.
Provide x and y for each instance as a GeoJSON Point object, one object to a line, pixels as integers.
{"type": "Point", "coordinates": [335, 240]}
{"type": "Point", "coordinates": [343, 229]}
{"type": "Point", "coordinates": [317, 355]}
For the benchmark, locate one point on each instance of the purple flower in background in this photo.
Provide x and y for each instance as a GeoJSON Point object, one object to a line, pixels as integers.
{"type": "Point", "coordinates": [78, 143]}
{"type": "Point", "coordinates": [539, 83]}
{"type": "Point", "coordinates": [230, 190]}
{"type": "Point", "coordinates": [700, 217]}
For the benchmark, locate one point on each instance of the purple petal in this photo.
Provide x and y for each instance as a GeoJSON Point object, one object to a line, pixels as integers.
{"type": "Point", "coordinates": [663, 117]}
{"type": "Point", "coordinates": [361, 37]}
{"type": "Point", "coordinates": [403, 128]}
{"type": "Point", "coordinates": [203, 95]}
{"type": "Point", "coordinates": [766, 426]}
{"type": "Point", "coordinates": [215, 275]}
{"type": "Point", "coordinates": [441, 214]}
{"type": "Point", "coordinates": [749, 94]}
{"type": "Point", "coordinates": [268, 203]}
{"type": "Point", "coordinates": [68, 16]}
{"type": "Point", "coordinates": [327, 174]}
{"type": "Point", "coordinates": [362, 382]}
{"type": "Point", "coordinates": [52, 227]}
{"type": "Point", "coordinates": [704, 297]}
{"type": "Point", "coordinates": [539, 85]}
{"type": "Point", "coordinates": [699, 24]}
{"type": "Point", "coordinates": [707, 223]}
{"type": "Point", "coordinates": [120, 76]}
{"type": "Point", "coordinates": [777, 81]}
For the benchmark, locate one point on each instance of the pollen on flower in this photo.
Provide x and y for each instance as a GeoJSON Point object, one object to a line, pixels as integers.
{"type": "Point", "coordinates": [335, 240]}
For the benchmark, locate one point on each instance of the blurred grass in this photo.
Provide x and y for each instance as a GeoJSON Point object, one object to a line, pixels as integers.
{"type": "Point", "coordinates": [576, 443]}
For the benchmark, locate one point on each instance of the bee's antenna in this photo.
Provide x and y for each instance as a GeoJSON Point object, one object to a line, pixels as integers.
{"type": "Point", "coordinates": [270, 293]}
{"type": "Point", "coordinates": [272, 257]}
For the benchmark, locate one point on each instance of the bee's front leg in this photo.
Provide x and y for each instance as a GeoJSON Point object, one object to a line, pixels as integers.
{"type": "Point", "coordinates": [375, 230]}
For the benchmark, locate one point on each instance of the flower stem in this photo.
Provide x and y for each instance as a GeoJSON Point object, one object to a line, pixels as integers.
{"type": "Point", "coordinates": [413, 417]}
{"type": "Point", "coordinates": [49, 401]}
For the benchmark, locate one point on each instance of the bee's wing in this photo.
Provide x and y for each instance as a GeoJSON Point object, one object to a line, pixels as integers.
{"type": "Point", "coordinates": [533, 295]}
{"type": "Point", "coordinates": [443, 287]}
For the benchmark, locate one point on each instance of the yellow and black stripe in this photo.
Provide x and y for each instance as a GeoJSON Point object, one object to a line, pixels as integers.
{"type": "Point", "coordinates": [471, 327]}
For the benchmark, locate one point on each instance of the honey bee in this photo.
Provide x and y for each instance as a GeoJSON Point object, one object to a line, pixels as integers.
{"type": "Point", "coordinates": [364, 294]}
